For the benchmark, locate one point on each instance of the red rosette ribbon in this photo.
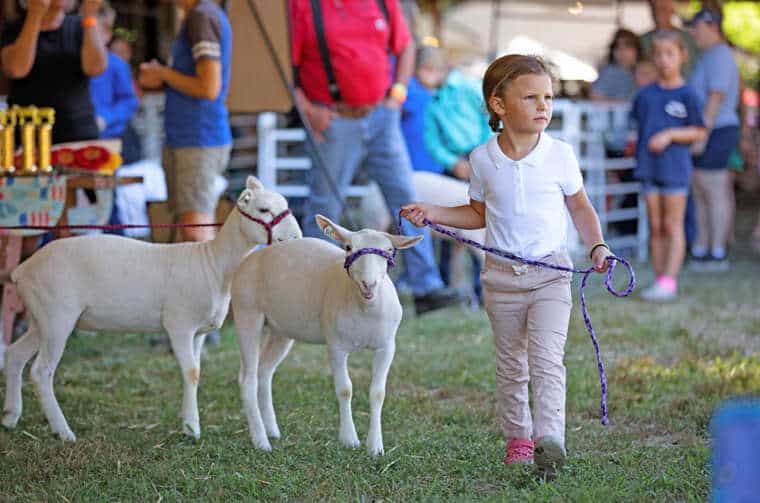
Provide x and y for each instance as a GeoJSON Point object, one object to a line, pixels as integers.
{"type": "Point", "coordinates": [63, 157]}
{"type": "Point", "coordinates": [92, 157]}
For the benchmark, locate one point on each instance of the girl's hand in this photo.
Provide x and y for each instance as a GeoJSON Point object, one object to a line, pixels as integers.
{"type": "Point", "coordinates": [659, 142]}
{"type": "Point", "coordinates": [416, 213]}
{"type": "Point", "coordinates": [599, 258]}
{"type": "Point", "coordinates": [151, 75]}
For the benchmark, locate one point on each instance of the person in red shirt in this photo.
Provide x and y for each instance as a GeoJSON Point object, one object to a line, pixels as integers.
{"type": "Point", "coordinates": [356, 121]}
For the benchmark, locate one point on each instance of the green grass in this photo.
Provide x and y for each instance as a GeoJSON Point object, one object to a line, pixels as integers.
{"type": "Point", "coordinates": [668, 367]}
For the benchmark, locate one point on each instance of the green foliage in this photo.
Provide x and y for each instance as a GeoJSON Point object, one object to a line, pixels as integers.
{"type": "Point", "coordinates": [742, 24]}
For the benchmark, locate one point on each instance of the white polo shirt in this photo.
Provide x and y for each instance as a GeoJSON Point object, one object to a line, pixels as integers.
{"type": "Point", "coordinates": [525, 200]}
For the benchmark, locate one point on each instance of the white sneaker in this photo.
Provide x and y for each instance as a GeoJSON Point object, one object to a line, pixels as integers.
{"type": "Point", "coordinates": [657, 292]}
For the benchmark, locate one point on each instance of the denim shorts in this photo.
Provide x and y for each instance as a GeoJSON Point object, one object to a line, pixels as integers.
{"type": "Point", "coordinates": [657, 187]}
{"type": "Point", "coordinates": [720, 144]}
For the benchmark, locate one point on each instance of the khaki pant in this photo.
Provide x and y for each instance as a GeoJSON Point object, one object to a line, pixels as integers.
{"type": "Point", "coordinates": [714, 205]}
{"type": "Point", "coordinates": [529, 308]}
{"type": "Point", "coordinates": [191, 174]}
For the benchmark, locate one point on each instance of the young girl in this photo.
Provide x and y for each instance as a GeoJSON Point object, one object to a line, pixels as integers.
{"type": "Point", "coordinates": [522, 183]}
{"type": "Point", "coordinates": [669, 119]}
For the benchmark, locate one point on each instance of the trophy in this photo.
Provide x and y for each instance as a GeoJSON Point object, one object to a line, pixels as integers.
{"type": "Point", "coordinates": [7, 141]}
{"type": "Point", "coordinates": [28, 117]}
{"type": "Point", "coordinates": [46, 118]}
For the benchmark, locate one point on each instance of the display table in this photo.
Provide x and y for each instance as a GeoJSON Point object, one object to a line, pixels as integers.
{"type": "Point", "coordinates": [43, 201]}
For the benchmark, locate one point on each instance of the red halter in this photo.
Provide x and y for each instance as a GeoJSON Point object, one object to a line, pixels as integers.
{"type": "Point", "coordinates": [267, 225]}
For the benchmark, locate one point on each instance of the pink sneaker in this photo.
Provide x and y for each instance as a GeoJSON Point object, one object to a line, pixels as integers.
{"type": "Point", "coordinates": [519, 450]}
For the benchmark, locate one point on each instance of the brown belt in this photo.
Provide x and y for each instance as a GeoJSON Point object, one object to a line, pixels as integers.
{"type": "Point", "coordinates": [350, 112]}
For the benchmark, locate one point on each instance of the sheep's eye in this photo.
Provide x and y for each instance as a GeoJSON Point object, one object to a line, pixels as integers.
{"type": "Point", "coordinates": [389, 250]}
{"type": "Point", "coordinates": [263, 210]}
{"type": "Point", "coordinates": [348, 248]}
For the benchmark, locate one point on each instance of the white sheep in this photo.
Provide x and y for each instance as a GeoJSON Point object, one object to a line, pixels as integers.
{"type": "Point", "coordinates": [117, 284]}
{"type": "Point", "coordinates": [312, 291]}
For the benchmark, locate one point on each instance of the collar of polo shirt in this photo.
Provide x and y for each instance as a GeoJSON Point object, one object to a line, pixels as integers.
{"type": "Point", "coordinates": [534, 158]}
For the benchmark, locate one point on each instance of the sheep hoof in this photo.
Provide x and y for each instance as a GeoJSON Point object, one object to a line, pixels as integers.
{"type": "Point", "coordinates": [273, 433]}
{"type": "Point", "coordinates": [191, 431]}
{"type": "Point", "coordinates": [264, 445]}
{"type": "Point", "coordinates": [10, 420]}
{"type": "Point", "coordinates": [351, 443]}
{"type": "Point", "coordinates": [66, 435]}
{"type": "Point", "coordinates": [376, 451]}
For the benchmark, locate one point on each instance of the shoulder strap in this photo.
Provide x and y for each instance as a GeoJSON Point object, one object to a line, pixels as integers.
{"type": "Point", "coordinates": [319, 27]}
{"type": "Point", "coordinates": [384, 9]}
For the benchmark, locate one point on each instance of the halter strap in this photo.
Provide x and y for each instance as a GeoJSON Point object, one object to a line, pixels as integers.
{"type": "Point", "coordinates": [353, 257]}
{"type": "Point", "coordinates": [267, 225]}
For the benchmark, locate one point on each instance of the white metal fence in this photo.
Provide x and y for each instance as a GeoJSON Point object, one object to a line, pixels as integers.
{"type": "Point", "coordinates": [586, 126]}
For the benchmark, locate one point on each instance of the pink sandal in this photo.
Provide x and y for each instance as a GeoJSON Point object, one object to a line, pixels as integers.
{"type": "Point", "coordinates": [519, 451]}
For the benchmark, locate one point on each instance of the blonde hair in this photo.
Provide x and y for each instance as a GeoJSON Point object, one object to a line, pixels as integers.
{"type": "Point", "coordinates": [504, 70]}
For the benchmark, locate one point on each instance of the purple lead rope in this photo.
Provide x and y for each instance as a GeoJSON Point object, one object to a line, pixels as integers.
{"type": "Point", "coordinates": [584, 308]}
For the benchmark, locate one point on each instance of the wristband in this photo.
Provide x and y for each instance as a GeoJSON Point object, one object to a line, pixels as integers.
{"type": "Point", "coordinates": [398, 92]}
{"type": "Point", "coordinates": [89, 21]}
{"type": "Point", "coordinates": [591, 253]}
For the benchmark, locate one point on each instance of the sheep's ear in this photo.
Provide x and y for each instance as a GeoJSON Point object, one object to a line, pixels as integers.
{"type": "Point", "coordinates": [401, 242]}
{"type": "Point", "coordinates": [244, 199]}
{"type": "Point", "coordinates": [333, 230]}
{"type": "Point", "coordinates": [253, 183]}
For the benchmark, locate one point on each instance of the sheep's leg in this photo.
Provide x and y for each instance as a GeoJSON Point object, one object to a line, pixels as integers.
{"type": "Point", "coordinates": [344, 390]}
{"type": "Point", "coordinates": [249, 327]}
{"type": "Point", "coordinates": [198, 342]}
{"type": "Point", "coordinates": [56, 332]}
{"type": "Point", "coordinates": [380, 367]}
{"type": "Point", "coordinates": [17, 356]}
{"type": "Point", "coordinates": [275, 350]}
{"type": "Point", "coordinates": [182, 346]}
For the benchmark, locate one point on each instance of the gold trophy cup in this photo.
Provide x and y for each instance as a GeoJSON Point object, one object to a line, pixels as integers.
{"type": "Point", "coordinates": [7, 141]}
{"type": "Point", "coordinates": [46, 118]}
{"type": "Point", "coordinates": [28, 118]}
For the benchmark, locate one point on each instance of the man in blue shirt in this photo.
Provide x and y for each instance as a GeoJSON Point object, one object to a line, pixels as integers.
{"type": "Point", "coordinates": [715, 79]}
{"type": "Point", "coordinates": [198, 138]}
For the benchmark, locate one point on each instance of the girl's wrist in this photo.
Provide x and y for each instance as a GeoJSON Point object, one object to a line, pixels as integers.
{"type": "Point", "coordinates": [598, 245]}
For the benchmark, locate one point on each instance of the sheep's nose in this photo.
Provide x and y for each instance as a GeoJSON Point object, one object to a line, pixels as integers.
{"type": "Point", "coordinates": [369, 286]}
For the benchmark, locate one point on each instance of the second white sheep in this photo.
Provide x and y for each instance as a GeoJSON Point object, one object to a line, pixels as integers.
{"type": "Point", "coordinates": [312, 291]}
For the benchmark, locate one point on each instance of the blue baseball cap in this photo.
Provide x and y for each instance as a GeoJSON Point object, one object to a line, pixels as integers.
{"type": "Point", "coordinates": [706, 16]}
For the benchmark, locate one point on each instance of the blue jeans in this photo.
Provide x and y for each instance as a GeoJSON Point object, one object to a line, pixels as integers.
{"type": "Point", "coordinates": [375, 143]}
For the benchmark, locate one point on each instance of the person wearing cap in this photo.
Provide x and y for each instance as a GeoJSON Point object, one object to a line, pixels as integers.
{"type": "Point", "coordinates": [663, 14]}
{"type": "Point", "coordinates": [715, 79]}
